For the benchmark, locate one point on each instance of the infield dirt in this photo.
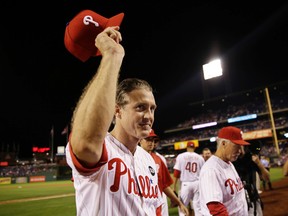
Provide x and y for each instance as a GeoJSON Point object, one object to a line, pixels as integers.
{"type": "Point", "coordinates": [276, 200]}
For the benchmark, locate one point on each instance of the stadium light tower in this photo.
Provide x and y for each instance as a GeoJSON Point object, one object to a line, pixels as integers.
{"type": "Point", "coordinates": [210, 70]}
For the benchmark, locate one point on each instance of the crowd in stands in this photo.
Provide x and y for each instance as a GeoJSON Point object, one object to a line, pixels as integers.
{"type": "Point", "coordinates": [217, 110]}
{"type": "Point", "coordinates": [27, 170]}
{"type": "Point", "coordinates": [245, 104]}
{"type": "Point", "coordinates": [221, 115]}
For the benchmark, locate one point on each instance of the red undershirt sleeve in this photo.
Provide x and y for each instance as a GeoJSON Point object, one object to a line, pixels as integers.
{"type": "Point", "coordinates": [83, 169]}
{"type": "Point", "coordinates": [177, 173]}
{"type": "Point", "coordinates": [217, 209]}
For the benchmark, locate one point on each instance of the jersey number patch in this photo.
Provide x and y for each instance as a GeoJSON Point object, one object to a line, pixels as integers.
{"type": "Point", "coordinates": [191, 167]}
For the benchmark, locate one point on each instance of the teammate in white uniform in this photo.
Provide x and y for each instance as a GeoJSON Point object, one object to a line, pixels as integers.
{"type": "Point", "coordinates": [164, 177]}
{"type": "Point", "coordinates": [187, 167]}
{"type": "Point", "coordinates": [221, 189]}
{"type": "Point", "coordinates": [206, 153]}
{"type": "Point", "coordinates": [112, 174]}
{"type": "Point", "coordinates": [165, 207]}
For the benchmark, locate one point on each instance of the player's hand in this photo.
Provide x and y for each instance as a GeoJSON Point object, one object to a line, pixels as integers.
{"type": "Point", "coordinates": [172, 203]}
{"type": "Point", "coordinates": [184, 209]}
{"type": "Point", "coordinates": [108, 41]}
{"type": "Point", "coordinates": [255, 158]}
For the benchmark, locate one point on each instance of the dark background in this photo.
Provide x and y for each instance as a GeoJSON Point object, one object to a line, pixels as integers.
{"type": "Point", "coordinates": [166, 43]}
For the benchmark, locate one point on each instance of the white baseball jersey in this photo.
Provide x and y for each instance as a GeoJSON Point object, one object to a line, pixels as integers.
{"type": "Point", "coordinates": [189, 164]}
{"type": "Point", "coordinates": [220, 182]}
{"type": "Point", "coordinates": [120, 184]}
{"type": "Point", "coordinates": [162, 157]}
{"type": "Point", "coordinates": [165, 206]}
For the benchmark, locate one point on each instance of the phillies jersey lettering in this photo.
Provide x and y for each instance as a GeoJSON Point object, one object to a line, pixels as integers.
{"type": "Point", "coordinates": [126, 184]}
{"type": "Point", "coordinates": [148, 190]}
{"type": "Point", "coordinates": [220, 182]}
{"type": "Point", "coordinates": [232, 184]}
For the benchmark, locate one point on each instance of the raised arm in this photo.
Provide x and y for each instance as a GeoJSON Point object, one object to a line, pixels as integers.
{"type": "Point", "coordinates": [95, 109]}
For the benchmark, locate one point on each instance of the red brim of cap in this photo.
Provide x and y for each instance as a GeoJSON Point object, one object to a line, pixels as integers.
{"type": "Point", "coordinates": [77, 50]}
{"type": "Point", "coordinates": [81, 52]}
{"type": "Point", "coordinates": [113, 21]}
{"type": "Point", "coordinates": [152, 135]}
{"type": "Point", "coordinates": [240, 142]}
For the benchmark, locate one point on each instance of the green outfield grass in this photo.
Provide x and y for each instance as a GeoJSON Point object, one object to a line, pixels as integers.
{"type": "Point", "coordinates": [51, 199]}
{"type": "Point", "coordinates": [54, 198]}
{"type": "Point", "coordinates": [276, 174]}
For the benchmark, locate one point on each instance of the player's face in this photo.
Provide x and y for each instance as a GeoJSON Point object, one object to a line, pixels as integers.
{"type": "Point", "coordinates": [137, 116]}
{"type": "Point", "coordinates": [148, 143]}
{"type": "Point", "coordinates": [156, 142]}
{"type": "Point", "coordinates": [233, 151]}
{"type": "Point", "coordinates": [206, 154]}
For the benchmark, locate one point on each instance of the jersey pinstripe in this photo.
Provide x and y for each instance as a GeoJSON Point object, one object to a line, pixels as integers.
{"type": "Point", "coordinates": [162, 157]}
{"type": "Point", "coordinates": [165, 207]}
{"type": "Point", "coordinates": [189, 164]}
{"type": "Point", "coordinates": [125, 184]}
{"type": "Point", "coordinates": [220, 182]}
{"type": "Point", "coordinates": [164, 177]}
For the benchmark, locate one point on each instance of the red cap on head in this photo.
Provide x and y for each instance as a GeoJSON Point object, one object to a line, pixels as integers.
{"type": "Point", "coordinates": [81, 31]}
{"type": "Point", "coordinates": [152, 134]}
{"type": "Point", "coordinates": [190, 144]}
{"type": "Point", "coordinates": [233, 134]}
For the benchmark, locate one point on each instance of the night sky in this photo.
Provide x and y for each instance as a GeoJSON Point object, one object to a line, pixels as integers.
{"type": "Point", "coordinates": [165, 43]}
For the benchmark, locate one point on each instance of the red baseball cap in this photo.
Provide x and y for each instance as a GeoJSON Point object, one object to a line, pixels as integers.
{"type": "Point", "coordinates": [233, 134]}
{"type": "Point", "coordinates": [152, 134]}
{"type": "Point", "coordinates": [81, 31]}
{"type": "Point", "coordinates": [190, 144]}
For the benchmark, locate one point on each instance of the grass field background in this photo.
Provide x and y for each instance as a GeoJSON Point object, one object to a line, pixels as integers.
{"type": "Point", "coordinates": [54, 198]}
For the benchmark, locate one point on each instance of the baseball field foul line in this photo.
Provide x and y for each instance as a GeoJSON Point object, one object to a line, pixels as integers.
{"type": "Point", "coordinates": [36, 198]}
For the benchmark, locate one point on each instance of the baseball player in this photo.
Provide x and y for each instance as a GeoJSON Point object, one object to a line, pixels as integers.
{"type": "Point", "coordinates": [156, 142]}
{"type": "Point", "coordinates": [164, 177]}
{"type": "Point", "coordinates": [165, 207]}
{"type": "Point", "coordinates": [187, 168]}
{"type": "Point", "coordinates": [206, 153]}
{"type": "Point", "coordinates": [112, 174]}
{"type": "Point", "coordinates": [221, 189]}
